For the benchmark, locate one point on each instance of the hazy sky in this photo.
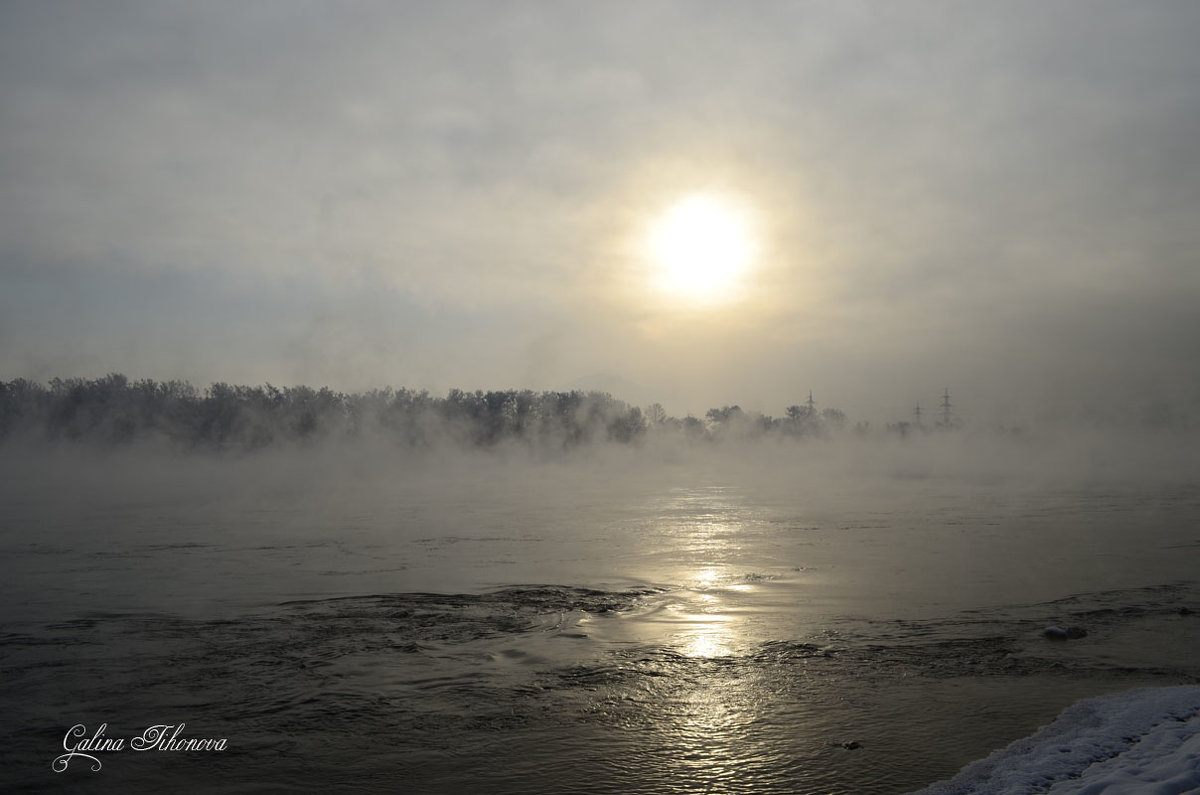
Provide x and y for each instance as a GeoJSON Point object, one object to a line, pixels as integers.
{"type": "Point", "coordinates": [1002, 198]}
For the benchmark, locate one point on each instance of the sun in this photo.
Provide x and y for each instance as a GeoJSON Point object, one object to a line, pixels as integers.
{"type": "Point", "coordinates": [702, 247]}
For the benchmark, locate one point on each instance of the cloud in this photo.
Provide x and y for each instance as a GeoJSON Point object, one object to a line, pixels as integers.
{"type": "Point", "coordinates": [937, 180]}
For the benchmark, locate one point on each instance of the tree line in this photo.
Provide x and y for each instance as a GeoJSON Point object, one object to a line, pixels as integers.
{"type": "Point", "coordinates": [115, 410]}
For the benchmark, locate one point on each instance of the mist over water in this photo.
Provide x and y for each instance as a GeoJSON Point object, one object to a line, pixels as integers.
{"type": "Point", "coordinates": [915, 284]}
{"type": "Point", "coordinates": [848, 613]}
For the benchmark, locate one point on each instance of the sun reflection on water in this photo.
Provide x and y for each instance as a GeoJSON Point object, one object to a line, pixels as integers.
{"type": "Point", "coordinates": [706, 639]}
{"type": "Point", "coordinates": [708, 628]}
{"type": "Point", "coordinates": [709, 702]}
{"type": "Point", "coordinates": [708, 578]}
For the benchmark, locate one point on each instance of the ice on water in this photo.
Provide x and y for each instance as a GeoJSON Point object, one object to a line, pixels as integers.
{"type": "Point", "coordinates": [1138, 742]}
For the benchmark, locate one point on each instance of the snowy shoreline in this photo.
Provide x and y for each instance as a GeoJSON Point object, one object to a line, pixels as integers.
{"type": "Point", "coordinates": [1136, 741]}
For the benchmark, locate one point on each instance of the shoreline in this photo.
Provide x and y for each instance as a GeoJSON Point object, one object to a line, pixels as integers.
{"type": "Point", "coordinates": [1125, 742]}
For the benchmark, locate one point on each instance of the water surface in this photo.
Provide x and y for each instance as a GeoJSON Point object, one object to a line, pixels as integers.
{"type": "Point", "coordinates": [600, 625]}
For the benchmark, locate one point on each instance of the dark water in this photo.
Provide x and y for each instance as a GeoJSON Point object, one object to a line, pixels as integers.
{"type": "Point", "coordinates": [541, 632]}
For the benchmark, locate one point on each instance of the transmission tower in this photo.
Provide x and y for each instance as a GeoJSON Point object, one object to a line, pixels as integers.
{"type": "Point", "coordinates": [947, 412]}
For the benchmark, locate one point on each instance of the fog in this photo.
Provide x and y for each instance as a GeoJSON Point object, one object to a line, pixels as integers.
{"type": "Point", "coordinates": [78, 441]}
{"type": "Point", "coordinates": [210, 530]}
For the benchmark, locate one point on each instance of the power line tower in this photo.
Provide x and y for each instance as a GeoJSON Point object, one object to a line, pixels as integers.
{"type": "Point", "coordinates": [947, 420]}
{"type": "Point", "coordinates": [917, 414]}
{"type": "Point", "coordinates": [812, 406]}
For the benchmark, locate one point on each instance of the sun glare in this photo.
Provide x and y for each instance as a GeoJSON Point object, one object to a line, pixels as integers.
{"type": "Point", "coordinates": [702, 247]}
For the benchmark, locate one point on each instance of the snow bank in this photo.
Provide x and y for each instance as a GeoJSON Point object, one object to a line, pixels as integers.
{"type": "Point", "coordinates": [1143, 741]}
